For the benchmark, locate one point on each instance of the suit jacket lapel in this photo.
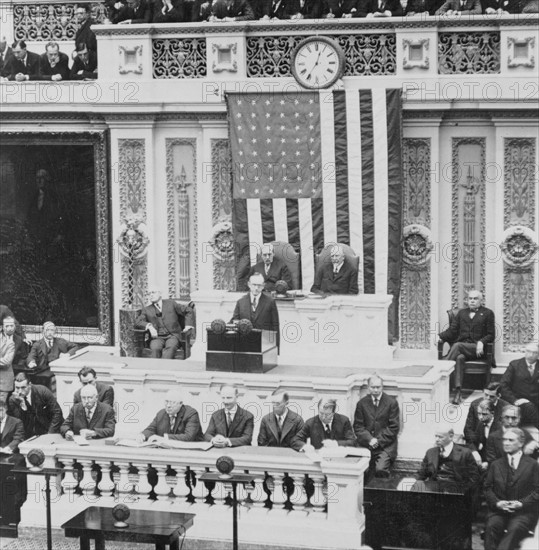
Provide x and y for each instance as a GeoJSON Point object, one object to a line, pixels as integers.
{"type": "Point", "coordinates": [275, 428]}
{"type": "Point", "coordinates": [287, 425]}
{"type": "Point", "coordinates": [235, 420]}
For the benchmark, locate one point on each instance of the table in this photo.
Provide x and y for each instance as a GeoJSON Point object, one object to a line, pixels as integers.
{"type": "Point", "coordinates": [159, 528]}
{"type": "Point", "coordinates": [12, 494]}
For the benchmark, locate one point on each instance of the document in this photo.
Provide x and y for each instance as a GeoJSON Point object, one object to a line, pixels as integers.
{"type": "Point", "coordinates": [166, 444]}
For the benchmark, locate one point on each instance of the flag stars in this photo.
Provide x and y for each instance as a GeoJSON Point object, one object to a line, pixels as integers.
{"type": "Point", "coordinates": [282, 115]}
{"type": "Point", "coordinates": [298, 153]}
{"type": "Point", "coordinates": [253, 115]}
{"type": "Point", "coordinates": [253, 128]}
{"type": "Point", "coordinates": [311, 101]}
{"type": "Point", "coordinates": [238, 115]}
{"type": "Point", "coordinates": [296, 127]}
{"type": "Point", "coordinates": [253, 101]}
{"type": "Point", "coordinates": [238, 101]}
{"type": "Point", "coordinates": [257, 191]}
{"type": "Point", "coordinates": [311, 127]}
{"type": "Point", "coordinates": [269, 153]}
{"type": "Point", "coordinates": [283, 140]}
{"type": "Point", "coordinates": [239, 128]}
{"type": "Point", "coordinates": [296, 115]}
{"type": "Point", "coordinates": [281, 102]}
{"type": "Point", "coordinates": [268, 115]}
{"type": "Point", "coordinates": [268, 128]}
{"type": "Point", "coordinates": [297, 140]}
{"type": "Point", "coordinates": [311, 114]}
{"type": "Point", "coordinates": [268, 102]}
{"type": "Point", "coordinates": [268, 140]}
{"type": "Point", "coordinates": [282, 127]}
{"type": "Point", "coordinates": [254, 140]}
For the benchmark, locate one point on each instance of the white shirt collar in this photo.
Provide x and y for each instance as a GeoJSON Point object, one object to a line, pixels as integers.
{"type": "Point", "coordinates": [283, 416]}
{"type": "Point", "coordinates": [232, 411]}
{"type": "Point", "coordinates": [516, 459]}
{"type": "Point", "coordinates": [92, 410]}
{"type": "Point", "coordinates": [448, 449]}
{"type": "Point", "coordinates": [338, 266]}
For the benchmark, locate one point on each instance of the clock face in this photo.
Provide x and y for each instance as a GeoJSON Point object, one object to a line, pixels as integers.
{"type": "Point", "coordinates": [317, 62]}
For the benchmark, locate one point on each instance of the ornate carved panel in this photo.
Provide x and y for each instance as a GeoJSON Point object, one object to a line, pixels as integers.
{"type": "Point", "coordinates": [50, 21]}
{"type": "Point", "coordinates": [132, 178]}
{"type": "Point", "coordinates": [521, 52]}
{"type": "Point", "coordinates": [417, 244]}
{"type": "Point", "coordinates": [181, 214]}
{"type": "Point", "coordinates": [519, 182]}
{"type": "Point", "coordinates": [224, 261]}
{"type": "Point", "coordinates": [415, 53]}
{"type": "Point", "coordinates": [519, 245]}
{"type": "Point", "coordinates": [469, 52]}
{"type": "Point", "coordinates": [468, 218]}
{"type": "Point", "coordinates": [179, 57]}
{"type": "Point", "coordinates": [366, 54]}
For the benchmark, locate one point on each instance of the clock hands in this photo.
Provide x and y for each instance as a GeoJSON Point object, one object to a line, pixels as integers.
{"type": "Point", "coordinates": [314, 66]}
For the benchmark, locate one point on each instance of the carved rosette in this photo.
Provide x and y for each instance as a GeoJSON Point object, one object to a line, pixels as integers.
{"type": "Point", "coordinates": [519, 247]}
{"type": "Point", "coordinates": [222, 241]}
{"type": "Point", "coordinates": [133, 240]}
{"type": "Point", "coordinates": [416, 246]}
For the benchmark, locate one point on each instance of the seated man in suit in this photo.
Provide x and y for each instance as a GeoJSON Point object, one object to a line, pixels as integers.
{"type": "Point", "coordinates": [272, 269]}
{"type": "Point", "coordinates": [337, 276]}
{"type": "Point", "coordinates": [512, 494]}
{"type": "Point", "coordinates": [380, 8]}
{"type": "Point", "coordinates": [258, 307]}
{"type": "Point", "coordinates": [134, 12]}
{"type": "Point", "coordinates": [165, 320]}
{"type": "Point", "coordinates": [22, 65]}
{"type": "Point", "coordinates": [448, 464]}
{"type": "Point", "coordinates": [477, 441]}
{"type": "Point", "coordinates": [492, 392]}
{"type": "Point", "coordinates": [176, 421]}
{"type": "Point", "coordinates": [53, 64]}
{"type": "Point", "coordinates": [471, 330]}
{"type": "Point", "coordinates": [458, 7]}
{"type": "Point", "coordinates": [36, 407]}
{"type": "Point", "coordinates": [231, 10]}
{"type": "Point", "coordinates": [520, 384]}
{"type": "Point", "coordinates": [105, 393]}
{"type": "Point", "coordinates": [85, 63]}
{"type": "Point", "coordinates": [376, 425]}
{"type": "Point", "coordinates": [89, 419]}
{"type": "Point", "coordinates": [327, 429]}
{"type": "Point", "coordinates": [279, 427]}
{"type": "Point", "coordinates": [230, 426]}
{"type": "Point", "coordinates": [11, 431]}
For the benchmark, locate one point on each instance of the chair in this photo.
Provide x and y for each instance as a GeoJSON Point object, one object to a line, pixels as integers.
{"type": "Point", "coordinates": [287, 254]}
{"type": "Point", "coordinates": [476, 371]}
{"type": "Point", "coordinates": [142, 339]}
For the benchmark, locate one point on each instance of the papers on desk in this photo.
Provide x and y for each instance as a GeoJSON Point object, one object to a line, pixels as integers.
{"type": "Point", "coordinates": [406, 484]}
{"type": "Point", "coordinates": [79, 440]}
{"type": "Point", "coordinates": [337, 452]}
{"type": "Point", "coordinates": [167, 444]}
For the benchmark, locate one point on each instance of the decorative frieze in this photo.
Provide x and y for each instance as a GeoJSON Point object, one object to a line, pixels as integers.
{"type": "Point", "coordinates": [179, 57]}
{"type": "Point", "coordinates": [469, 52]}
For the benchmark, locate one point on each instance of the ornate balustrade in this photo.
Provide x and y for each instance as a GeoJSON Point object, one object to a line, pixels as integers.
{"type": "Point", "coordinates": [99, 474]}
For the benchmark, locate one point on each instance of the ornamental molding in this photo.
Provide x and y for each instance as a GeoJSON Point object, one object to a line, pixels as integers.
{"type": "Point", "coordinates": [412, 47]}
{"type": "Point", "coordinates": [416, 246]}
{"type": "Point", "coordinates": [521, 61]}
{"type": "Point", "coordinates": [222, 241]}
{"type": "Point", "coordinates": [133, 240]}
{"type": "Point", "coordinates": [225, 57]}
{"type": "Point", "coordinates": [519, 247]}
{"type": "Point", "coordinates": [130, 59]}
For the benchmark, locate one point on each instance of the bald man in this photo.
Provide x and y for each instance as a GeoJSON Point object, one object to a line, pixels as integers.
{"type": "Point", "coordinates": [176, 421]}
{"type": "Point", "coordinates": [338, 276]}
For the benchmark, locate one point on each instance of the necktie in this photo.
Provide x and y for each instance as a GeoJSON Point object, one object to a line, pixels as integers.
{"type": "Point", "coordinates": [172, 421]}
{"type": "Point", "coordinates": [158, 309]}
{"type": "Point", "coordinates": [442, 453]}
{"type": "Point", "coordinates": [279, 425]}
{"type": "Point", "coordinates": [327, 431]}
{"type": "Point", "coordinates": [376, 402]}
{"type": "Point", "coordinates": [513, 463]}
{"type": "Point", "coordinates": [88, 416]}
{"type": "Point", "coordinates": [228, 421]}
{"type": "Point", "coordinates": [531, 368]}
{"type": "Point", "coordinates": [255, 303]}
{"type": "Point", "coordinates": [266, 268]}
{"type": "Point", "coordinates": [49, 344]}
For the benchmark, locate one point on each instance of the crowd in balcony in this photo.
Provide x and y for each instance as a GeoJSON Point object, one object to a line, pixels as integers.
{"type": "Point", "coordinates": [178, 11]}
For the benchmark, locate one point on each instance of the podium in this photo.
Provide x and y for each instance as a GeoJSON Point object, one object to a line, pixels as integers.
{"type": "Point", "coordinates": [230, 351]}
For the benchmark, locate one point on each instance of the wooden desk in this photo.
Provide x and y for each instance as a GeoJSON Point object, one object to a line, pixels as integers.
{"type": "Point", "coordinates": [159, 528]}
{"type": "Point", "coordinates": [431, 519]}
{"type": "Point", "coordinates": [12, 494]}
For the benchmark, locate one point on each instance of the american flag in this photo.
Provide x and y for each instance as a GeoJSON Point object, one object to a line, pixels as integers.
{"type": "Point", "coordinates": [312, 168]}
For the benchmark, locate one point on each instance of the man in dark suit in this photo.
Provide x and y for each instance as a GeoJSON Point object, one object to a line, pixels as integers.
{"type": "Point", "coordinates": [134, 13]}
{"type": "Point", "coordinates": [418, 7]}
{"type": "Point", "coordinates": [89, 419]}
{"type": "Point", "coordinates": [276, 9]}
{"type": "Point", "coordinates": [279, 427]}
{"type": "Point", "coordinates": [176, 421]}
{"type": "Point", "coordinates": [22, 65]}
{"type": "Point", "coordinates": [272, 269]}
{"type": "Point", "coordinates": [53, 64]}
{"type": "Point", "coordinates": [380, 8]}
{"type": "Point", "coordinates": [309, 9]}
{"type": "Point", "coordinates": [84, 34]}
{"type": "Point", "coordinates": [449, 464]}
{"type": "Point", "coordinates": [46, 350]}
{"type": "Point", "coordinates": [492, 392]}
{"type": "Point", "coordinates": [456, 7]}
{"type": "Point", "coordinates": [476, 441]}
{"type": "Point", "coordinates": [512, 494]}
{"type": "Point", "coordinates": [168, 11]}
{"type": "Point", "coordinates": [230, 426]}
{"type": "Point", "coordinates": [36, 407]}
{"type": "Point", "coordinates": [5, 53]}
{"type": "Point", "coordinates": [470, 331]}
{"type": "Point", "coordinates": [327, 429]}
{"type": "Point", "coordinates": [376, 425]}
{"type": "Point", "coordinates": [85, 64]}
{"type": "Point", "coordinates": [257, 306]}
{"type": "Point", "coordinates": [520, 384]}
{"type": "Point", "coordinates": [231, 10]}
{"type": "Point", "coordinates": [165, 320]}
{"type": "Point", "coordinates": [339, 9]}
{"type": "Point", "coordinates": [337, 276]}
{"type": "Point", "coordinates": [501, 7]}
{"type": "Point", "coordinates": [105, 393]}
{"type": "Point", "coordinates": [11, 431]}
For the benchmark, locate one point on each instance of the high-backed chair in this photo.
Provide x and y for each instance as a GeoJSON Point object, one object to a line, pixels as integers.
{"type": "Point", "coordinates": [476, 371]}
{"type": "Point", "coordinates": [287, 254]}
{"type": "Point", "coordinates": [142, 339]}
{"type": "Point", "coordinates": [324, 255]}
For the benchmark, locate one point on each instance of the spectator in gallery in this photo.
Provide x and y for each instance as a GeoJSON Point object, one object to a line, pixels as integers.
{"type": "Point", "coordinates": [22, 65]}
{"type": "Point", "coordinates": [422, 7]}
{"type": "Point", "coordinates": [308, 9]}
{"type": "Point", "coordinates": [531, 6]}
{"type": "Point", "coordinates": [176, 421]}
{"type": "Point", "coordinates": [5, 311]}
{"type": "Point", "coordinates": [231, 426]}
{"type": "Point", "coordinates": [501, 7]}
{"type": "Point", "coordinates": [11, 431]}
{"type": "Point", "coordinates": [276, 9]}
{"type": "Point", "coordinates": [471, 330]}
{"type": "Point", "coordinates": [105, 393]}
{"type": "Point", "coordinates": [46, 350]}
{"type": "Point", "coordinates": [54, 64]}
{"type": "Point", "coordinates": [13, 330]}
{"type": "Point", "coordinates": [168, 11]}
{"type": "Point", "coordinates": [36, 407]}
{"type": "Point", "coordinates": [380, 8]}
{"type": "Point", "coordinates": [85, 64]}
{"type": "Point", "coordinates": [231, 10]}
{"type": "Point", "coordinates": [477, 441]}
{"type": "Point", "coordinates": [90, 418]}
{"type": "Point", "coordinates": [458, 7]}
{"type": "Point", "coordinates": [512, 494]}
{"type": "Point", "coordinates": [520, 384]}
{"type": "Point", "coordinates": [338, 276]}
{"type": "Point", "coordinates": [165, 320]}
{"type": "Point", "coordinates": [337, 9]}
{"type": "Point", "coordinates": [5, 52]}
{"type": "Point", "coordinates": [376, 425]}
{"type": "Point", "coordinates": [84, 34]}
{"type": "Point", "coordinates": [327, 429]}
{"type": "Point", "coordinates": [279, 427]}
{"type": "Point", "coordinates": [492, 393]}
{"type": "Point", "coordinates": [271, 268]}
{"type": "Point", "coordinates": [134, 13]}
{"type": "Point", "coordinates": [7, 352]}
{"type": "Point", "coordinates": [447, 463]}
